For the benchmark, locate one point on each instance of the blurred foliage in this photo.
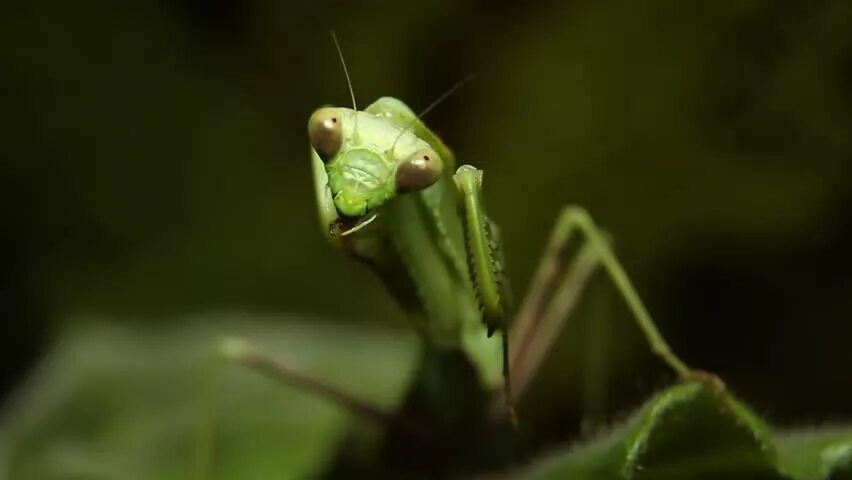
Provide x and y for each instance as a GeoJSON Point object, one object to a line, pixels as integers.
{"type": "Point", "coordinates": [137, 416]}
{"type": "Point", "coordinates": [155, 164]}
{"type": "Point", "coordinates": [131, 402]}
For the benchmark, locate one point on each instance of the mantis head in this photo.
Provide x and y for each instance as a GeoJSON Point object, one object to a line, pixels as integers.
{"type": "Point", "coordinates": [368, 159]}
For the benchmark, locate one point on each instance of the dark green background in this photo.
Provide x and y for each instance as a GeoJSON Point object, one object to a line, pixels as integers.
{"type": "Point", "coordinates": [154, 163]}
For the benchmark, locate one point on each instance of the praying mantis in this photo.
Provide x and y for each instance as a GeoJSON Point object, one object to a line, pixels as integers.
{"type": "Point", "coordinates": [389, 194]}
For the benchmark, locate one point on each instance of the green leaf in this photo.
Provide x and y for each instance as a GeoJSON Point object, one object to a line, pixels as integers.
{"type": "Point", "coordinates": [690, 431]}
{"type": "Point", "coordinates": [824, 454]}
{"type": "Point", "coordinates": [686, 432]}
{"type": "Point", "coordinates": [127, 402]}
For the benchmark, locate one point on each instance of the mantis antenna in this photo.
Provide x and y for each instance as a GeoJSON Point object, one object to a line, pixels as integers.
{"type": "Point", "coordinates": [348, 80]}
{"type": "Point", "coordinates": [431, 106]}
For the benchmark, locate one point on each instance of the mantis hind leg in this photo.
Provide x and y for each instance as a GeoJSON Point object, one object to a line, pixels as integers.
{"type": "Point", "coordinates": [236, 351]}
{"type": "Point", "coordinates": [555, 291]}
{"type": "Point", "coordinates": [575, 218]}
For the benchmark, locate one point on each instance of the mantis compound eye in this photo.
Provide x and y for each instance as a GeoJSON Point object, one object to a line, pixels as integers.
{"type": "Point", "coordinates": [326, 132]}
{"type": "Point", "coordinates": [420, 170]}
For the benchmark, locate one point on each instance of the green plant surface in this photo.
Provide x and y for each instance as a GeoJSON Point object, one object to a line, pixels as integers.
{"type": "Point", "coordinates": [817, 454]}
{"type": "Point", "coordinates": [127, 402]}
{"type": "Point", "coordinates": [690, 431]}
{"type": "Point", "coordinates": [123, 402]}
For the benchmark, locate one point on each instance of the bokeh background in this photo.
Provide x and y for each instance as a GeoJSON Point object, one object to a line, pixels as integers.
{"type": "Point", "coordinates": [155, 168]}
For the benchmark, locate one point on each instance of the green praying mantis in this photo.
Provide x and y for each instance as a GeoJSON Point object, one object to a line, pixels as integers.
{"type": "Point", "coordinates": [389, 194]}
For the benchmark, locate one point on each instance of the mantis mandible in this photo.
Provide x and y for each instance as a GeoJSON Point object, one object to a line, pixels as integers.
{"type": "Point", "coordinates": [390, 195]}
